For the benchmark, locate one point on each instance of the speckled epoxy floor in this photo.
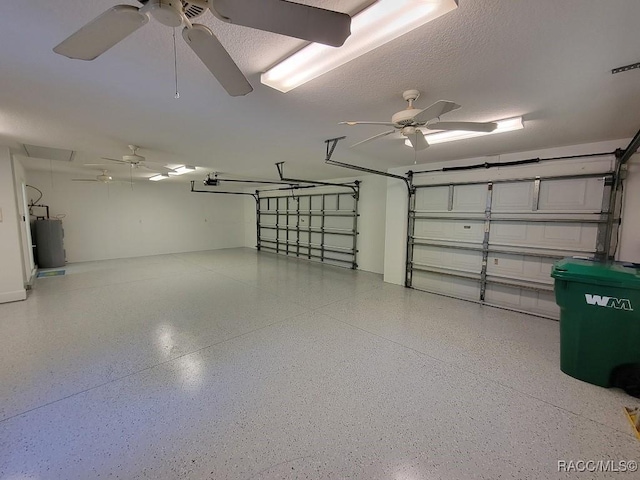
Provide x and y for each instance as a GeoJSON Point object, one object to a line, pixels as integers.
{"type": "Point", "coordinates": [236, 365]}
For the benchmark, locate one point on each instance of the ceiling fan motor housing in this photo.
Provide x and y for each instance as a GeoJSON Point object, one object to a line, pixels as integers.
{"type": "Point", "coordinates": [405, 117]}
{"type": "Point", "coordinates": [167, 12]}
{"type": "Point", "coordinates": [133, 159]}
{"type": "Point", "coordinates": [191, 8]}
{"type": "Point", "coordinates": [194, 8]}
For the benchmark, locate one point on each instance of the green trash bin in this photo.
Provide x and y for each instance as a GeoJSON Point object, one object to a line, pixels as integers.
{"type": "Point", "coordinates": [599, 322]}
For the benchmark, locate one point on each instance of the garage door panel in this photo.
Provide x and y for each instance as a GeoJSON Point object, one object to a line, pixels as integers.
{"type": "Point", "coordinates": [340, 241]}
{"type": "Point", "coordinates": [509, 197]}
{"type": "Point", "coordinates": [341, 223]}
{"type": "Point", "coordinates": [582, 194]}
{"type": "Point", "coordinates": [434, 199]}
{"type": "Point", "coordinates": [521, 267]}
{"type": "Point", "coordinates": [455, 230]}
{"type": "Point", "coordinates": [304, 203]}
{"type": "Point", "coordinates": [267, 234]}
{"type": "Point", "coordinates": [316, 221]}
{"type": "Point", "coordinates": [291, 221]}
{"type": "Point", "coordinates": [552, 235]}
{"type": "Point", "coordinates": [347, 203]}
{"type": "Point", "coordinates": [469, 198]}
{"type": "Point", "coordinates": [331, 202]}
{"type": "Point", "coordinates": [539, 302]}
{"type": "Point", "coordinates": [447, 285]}
{"type": "Point", "coordinates": [463, 260]}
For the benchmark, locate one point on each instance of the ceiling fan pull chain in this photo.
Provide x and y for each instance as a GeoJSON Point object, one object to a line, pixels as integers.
{"type": "Point", "coordinates": [175, 63]}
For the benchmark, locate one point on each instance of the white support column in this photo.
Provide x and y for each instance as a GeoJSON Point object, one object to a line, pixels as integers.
{"type": "Point", "coordinates": [395, 245]}
{"type": "Point", "coordinates": [11, 275]}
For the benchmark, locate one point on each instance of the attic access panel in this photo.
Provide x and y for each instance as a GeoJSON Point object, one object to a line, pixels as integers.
{"type": "Point", "coordinates": [321, 227]}
{"type": "Point", "coordinates": [48, 153]}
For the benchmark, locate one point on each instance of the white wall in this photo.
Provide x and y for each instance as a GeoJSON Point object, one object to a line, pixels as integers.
{"type": "Point", "coordinates": [115, 221]}
{"type": "Point", "coordinates": [11, 275]}
{"type": "Point", "coordinates": [371, 224]}
{"type": "Point", "coordinates": [629, 246]}
{"type": "Point", "coordinates": [395, 244]}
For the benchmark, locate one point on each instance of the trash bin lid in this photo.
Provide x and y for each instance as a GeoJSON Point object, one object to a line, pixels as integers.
{"type": "Point", "coordinates": [615, 274]}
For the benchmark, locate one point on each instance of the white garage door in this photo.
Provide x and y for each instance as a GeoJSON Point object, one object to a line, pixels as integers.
{"type": "Point", "coordinates": [495, 242]}
{"type": "Point", "coordinates": [321, 227]}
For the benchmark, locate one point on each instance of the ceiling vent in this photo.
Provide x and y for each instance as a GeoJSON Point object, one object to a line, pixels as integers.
{"type": "Point", "coordinates": [48, 153]}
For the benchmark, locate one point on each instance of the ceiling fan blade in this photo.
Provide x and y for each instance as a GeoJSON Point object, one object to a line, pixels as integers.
{"type": "Point", "coordinates": [383, 134]}
{"type": "Point", "coordinates": [115, 160]}
{"type": "Point", "coordinates": [390, 124]}
{"type": "Point", "coordinates": [102, 33]}
{"type": "Point", "coordinates": [465, 126]}
{"type": "Point", "coordinates": [97, 165]}
{"type": "Point", "coordinates": [207, 47]}
{"type": "Point", "coordinates": [434, 111]}
{"type": "Point", "coordinates": [83, 180]}
{"type": "Point", "coordinates": [287, 18]}
{"type": "Point", "coordinates": [417, 140]}
{"type": "Point", "coordinates": [154, 165]}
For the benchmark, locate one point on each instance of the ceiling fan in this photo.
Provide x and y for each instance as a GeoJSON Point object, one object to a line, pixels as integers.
{"type": "Point", "coordinates": [411, 121]}
{"type": "Point", "coordinates": [133, 160]}
{"type": "Point", "coordinates": [102, 178]}
{"type": "Point", "coordinates": [278, 16]}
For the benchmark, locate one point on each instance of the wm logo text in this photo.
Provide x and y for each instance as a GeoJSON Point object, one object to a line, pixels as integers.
{"type": "Point", "coordinates": [608, 302]}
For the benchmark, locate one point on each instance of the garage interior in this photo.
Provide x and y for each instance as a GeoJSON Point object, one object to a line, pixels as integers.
{"type": "Point", "coordinates": [294, 298]}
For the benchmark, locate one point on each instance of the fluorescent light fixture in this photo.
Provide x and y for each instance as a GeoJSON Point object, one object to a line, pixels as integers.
{"type": "Point", "coordinates": [160, 176]}
{"type": "Point", "coordinates": [182, 169]}
{"type": "Point", "coordinates": [378, 24]}
{"type": "Point", "coordinates": [506, 125]}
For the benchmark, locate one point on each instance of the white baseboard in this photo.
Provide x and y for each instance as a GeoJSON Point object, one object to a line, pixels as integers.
{"type": "Point", "coordinates": [13, 296]}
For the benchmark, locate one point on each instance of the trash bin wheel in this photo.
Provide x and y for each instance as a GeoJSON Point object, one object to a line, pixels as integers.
{"type": "Point", "coordinates": [627, 377]}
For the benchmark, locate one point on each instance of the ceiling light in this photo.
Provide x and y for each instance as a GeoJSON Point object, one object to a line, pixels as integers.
{"type": "Point", "coordinates": [182, 169]}
{"type": "Point", "coordinates": [160, 176]}
{"type": "Point", "coordinates": [381, 23]}
{"type": "Point", "coordinates": [506, 125]}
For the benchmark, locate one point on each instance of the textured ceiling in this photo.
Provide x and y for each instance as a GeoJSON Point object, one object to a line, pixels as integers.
{"type": "Point", "coordinates": [547, 60]}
